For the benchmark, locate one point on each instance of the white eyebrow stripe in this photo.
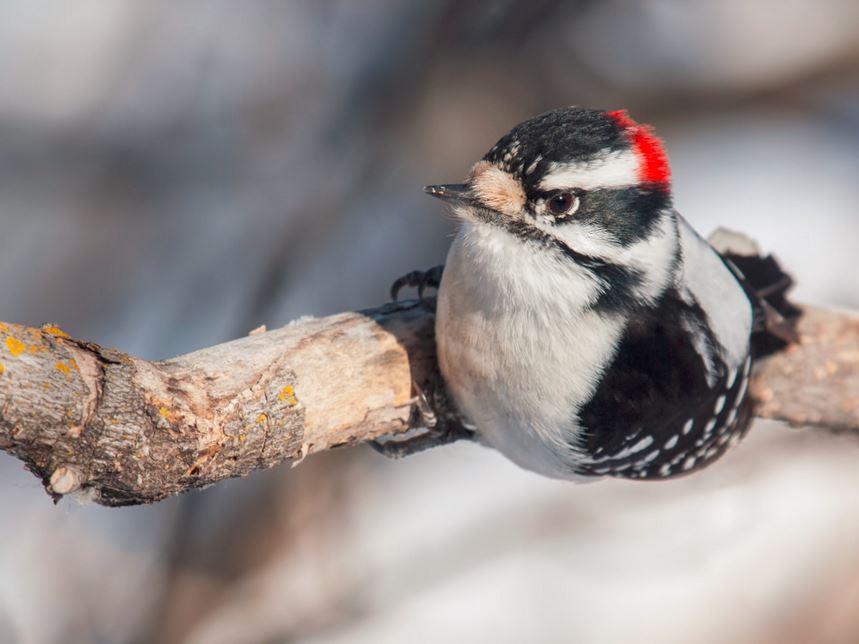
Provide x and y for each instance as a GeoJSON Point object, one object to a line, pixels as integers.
{"type": "Point", "coordinates": [609, 170]}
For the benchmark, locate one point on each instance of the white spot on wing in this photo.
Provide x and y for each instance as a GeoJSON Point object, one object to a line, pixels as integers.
{"type": "Point", "coordinates": [732, 416]}
{"type": "Point", "coordinates": [688, 426]}
{"type": "Point", "coordinates": [689, 463]}
{"type": "Point", "coordinates": [671, 442]}
{"type": "Point", "coordinates": [720, 404]}
{"type": "Point", "coordinates": [732, 377]}
{"type": "Point", "coordinates": [650, 457]}
{"type": "Point", "coordinates": [644, 443]}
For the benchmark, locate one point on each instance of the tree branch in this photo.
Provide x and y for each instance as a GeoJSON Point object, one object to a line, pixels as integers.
{"type": "Point", "coordinates": [127, 431]}
{"type": "Point", "coordinates": [816, 382]}
{"type": "Point", "coordinates": [122, 430]}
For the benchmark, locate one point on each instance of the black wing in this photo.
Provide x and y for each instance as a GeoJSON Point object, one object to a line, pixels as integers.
{"type": "Point", "coordinates": [654, 415]}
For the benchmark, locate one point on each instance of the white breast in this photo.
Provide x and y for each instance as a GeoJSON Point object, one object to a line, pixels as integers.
{"type": "Point", "coordinates": [518, 345]}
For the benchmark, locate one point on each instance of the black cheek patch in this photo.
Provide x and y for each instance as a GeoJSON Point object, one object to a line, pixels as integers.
{"type": "Point", "coordinates": [618, 281]}
{"type": "Point", "coordinates": [628, 214]}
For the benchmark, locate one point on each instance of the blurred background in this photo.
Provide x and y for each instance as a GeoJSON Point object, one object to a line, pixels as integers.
{"type": "Point", "coordinates": [173, 175]}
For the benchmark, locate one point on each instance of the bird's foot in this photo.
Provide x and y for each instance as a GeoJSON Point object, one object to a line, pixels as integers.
{"type": "Point", "coordinates": [421, 280]}
{"type": "Point", "coordinates": [441, 425]}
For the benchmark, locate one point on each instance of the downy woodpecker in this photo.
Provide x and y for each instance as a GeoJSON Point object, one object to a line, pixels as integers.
{"type": "Point", "coordinates": [583, 327]}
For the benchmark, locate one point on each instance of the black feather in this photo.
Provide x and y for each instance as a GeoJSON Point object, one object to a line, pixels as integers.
{"type": "Point", "coordinates": [637, 424]}
{"type": "Point", "coordinates": [767, 285]}
{"type": "Point", "coordinates": [562, 135]}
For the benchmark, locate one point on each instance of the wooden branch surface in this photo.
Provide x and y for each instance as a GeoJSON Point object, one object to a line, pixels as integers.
{"type": "Point", "coordinates": [127, 431]}
{"type": "Point", "coordinates": [816, 382]}
{"type": "Point", "coordinates": [122, 430]}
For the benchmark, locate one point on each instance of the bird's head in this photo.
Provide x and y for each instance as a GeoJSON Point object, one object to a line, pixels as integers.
{"type": "Point", "coordinates": [587, 185]}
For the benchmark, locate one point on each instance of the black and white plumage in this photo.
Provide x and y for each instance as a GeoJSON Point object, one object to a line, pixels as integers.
{"type": "Point", "coordinates": [583, 327]}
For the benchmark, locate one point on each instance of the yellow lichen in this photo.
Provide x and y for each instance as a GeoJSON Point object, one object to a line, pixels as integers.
{"type": "Point", "coordinates": [55, 330]}
{"type": "Point", "coordinates": [15, 346]}
{"type": "Point", "coordinates": [62, 366]}
{"type": "Point", "coordinates": [2, 368]}
{"type": "Point", "coordinates": [164, 412]}
{"type": "Point", "coordinates": [242, 438]}
{"type": "Point", "coordinates": [261, 419]}
{"type": "Point", "coordinates": [287, 395]}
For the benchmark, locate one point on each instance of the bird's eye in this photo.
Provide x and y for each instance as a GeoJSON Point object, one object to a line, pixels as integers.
{"type": "Point", "coordinates": [563, 204]}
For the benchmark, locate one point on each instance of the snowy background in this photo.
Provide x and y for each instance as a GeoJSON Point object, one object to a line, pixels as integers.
{"type": "Point", "coordinates": [173, 175]}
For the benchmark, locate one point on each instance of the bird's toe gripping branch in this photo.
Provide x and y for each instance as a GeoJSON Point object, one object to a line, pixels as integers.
{"type": "Point", "coordinates": [434, 413]}
{"type": "Point", "coordinates": [421, 280]}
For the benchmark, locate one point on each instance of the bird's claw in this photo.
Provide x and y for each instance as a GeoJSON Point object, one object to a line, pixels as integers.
{"type": "Point", "coordinates": [417, 279]}
{"type": "Point", "coordinates": [432, 412]}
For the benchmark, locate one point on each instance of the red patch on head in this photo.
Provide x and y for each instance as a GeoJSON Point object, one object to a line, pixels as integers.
{"type": "Point", "coordinates": [653, 162]}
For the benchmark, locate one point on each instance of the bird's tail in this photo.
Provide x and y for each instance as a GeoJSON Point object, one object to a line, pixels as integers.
{"type": "Point", "coordinates": [767, 285]}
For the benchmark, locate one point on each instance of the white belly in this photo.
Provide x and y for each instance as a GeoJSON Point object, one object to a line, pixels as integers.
{"type": "Point", "coordinates": [518, 349]}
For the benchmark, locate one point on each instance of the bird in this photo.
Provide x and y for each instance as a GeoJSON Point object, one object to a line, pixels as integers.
{"type": "Point", "coordinates": [583, 327]}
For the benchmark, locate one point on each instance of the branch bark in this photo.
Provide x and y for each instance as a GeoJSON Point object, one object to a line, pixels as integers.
{"type": "Point", "coordinates": [86, 419]}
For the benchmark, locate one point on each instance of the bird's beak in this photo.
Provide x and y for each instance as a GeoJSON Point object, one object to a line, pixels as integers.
{"type": "Point", "coordinates": [453, 193]}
